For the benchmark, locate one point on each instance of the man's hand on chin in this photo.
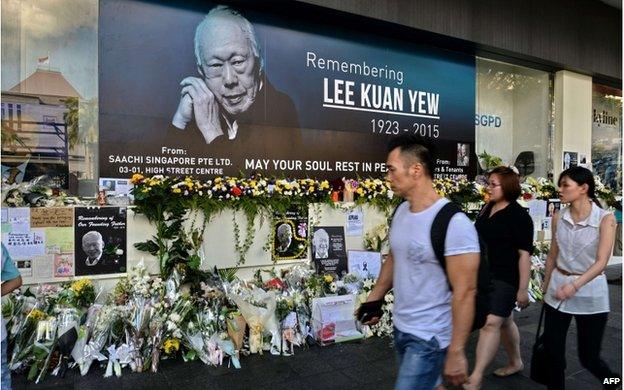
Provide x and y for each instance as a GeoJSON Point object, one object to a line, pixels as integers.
{"type": "Point", "coordinates": [198, 101]}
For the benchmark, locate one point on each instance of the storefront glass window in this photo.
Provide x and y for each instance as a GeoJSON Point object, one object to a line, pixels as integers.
{"type": "Point", "coordinates": [49, 92]}
{"type": "Point", "coordinates": [607, 135]}
{"type": "Point", "coordinates": [513, 115]}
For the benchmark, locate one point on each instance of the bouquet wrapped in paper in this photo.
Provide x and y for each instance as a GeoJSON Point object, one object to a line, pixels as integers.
{"type": "Point", "coordinates": [236, 327]}
{"type": "Point", "coordinates": [258, 309]}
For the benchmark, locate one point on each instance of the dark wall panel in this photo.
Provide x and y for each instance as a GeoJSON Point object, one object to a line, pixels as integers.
{"type": "Point", "coordinates": [580, 35]}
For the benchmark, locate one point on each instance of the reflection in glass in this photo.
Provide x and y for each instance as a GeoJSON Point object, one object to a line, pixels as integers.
{"type": "Point", "coordinates": [513, 115]}
{"type": "Point", "coordinates": [607, 135]}
{"type": "Point", "coordinates": [49, 93]}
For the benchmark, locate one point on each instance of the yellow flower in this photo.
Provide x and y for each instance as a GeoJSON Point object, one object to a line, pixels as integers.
{"type": "Point", "coordinates": [37, 315]}
{"type": "Point", "coordinates": [171, 345]}
{"type": "Point", "coordinates": [360, 191]}
{"type": "Point", "coordinates": [137, 178]}
{"type": "Point", "coordinates": [328, 278]}
{"type": "Point", "coordinates": [177, 190]}
{"type": "Point", "coordinates": [80, 285]}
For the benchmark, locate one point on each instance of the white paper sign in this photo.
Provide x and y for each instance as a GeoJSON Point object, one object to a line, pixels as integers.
{"type": "Point", "coordinates": [116, 186]}
{"type": "Point", "coordinates": [25, 245]}
{"type": "Point", "coordinates": [43, 267]}
{"type": "Point", "coordinates": [332, 318]}
{"type": "Point", "coordinates": [537, 208]}
{"type": "Point", "coordinates": [355, 223]}
{"type": "Point", "coordinates": [364, 264]}
{"type": "Point", "coordinates": [19, 219]}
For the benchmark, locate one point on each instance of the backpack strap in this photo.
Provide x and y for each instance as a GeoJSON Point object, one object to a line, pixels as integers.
{"type": "Point", "coordinates": [439, 229]}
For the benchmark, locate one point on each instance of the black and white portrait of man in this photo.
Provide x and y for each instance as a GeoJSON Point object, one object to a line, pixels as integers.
{"type": "Point", "coordinates": [93, 246]}
{"type": "Point", "coordinates": [284, 237]}
{"type": "Point", "coordinates": [320, 244]}
{"type": "Point", "coordinates": [230, 83]}
{"type": "Point", "coordinates": [100, 240]}
{"type": "Point", "coordinates": [463, 151]}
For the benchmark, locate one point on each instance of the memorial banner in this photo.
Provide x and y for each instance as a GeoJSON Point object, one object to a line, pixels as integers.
{"type": "Point", "coordinates": [211, 90]}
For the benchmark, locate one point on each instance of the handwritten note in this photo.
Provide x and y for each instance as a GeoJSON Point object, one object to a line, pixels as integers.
{"type": "Point", "coordinates": [52, 217]}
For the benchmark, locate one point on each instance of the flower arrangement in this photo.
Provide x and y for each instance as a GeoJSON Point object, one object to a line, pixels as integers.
{"type": "Point", "coordinates": [375, 239]}
{"type": "Point", "coordinates": [147, 319]}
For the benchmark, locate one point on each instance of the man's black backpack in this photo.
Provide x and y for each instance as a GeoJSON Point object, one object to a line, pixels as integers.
{"type": "Point", "coordinates": [439, 228]}
{"type": "Point", "coordinates": [484, 281]}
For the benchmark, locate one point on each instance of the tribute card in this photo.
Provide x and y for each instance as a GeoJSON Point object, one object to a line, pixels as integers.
{"type": "Point", "coordinates": [100, 240]}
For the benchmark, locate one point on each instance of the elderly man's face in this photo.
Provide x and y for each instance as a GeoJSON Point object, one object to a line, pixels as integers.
{"type": "Point", "coordinates": [322, 245]}
{"type": "Point", "coordinates": [229, 66]}
{"type": "Point", "coordinates": [92, 246]}
{"type": "Point", "coordinates": [284, 236]}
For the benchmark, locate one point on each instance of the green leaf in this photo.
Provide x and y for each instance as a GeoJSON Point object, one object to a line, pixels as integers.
{"type": "Point", "coordinates": [32, 373]}
{"type": "Point", "coordinates": [147, 246]}
{"type": "Point", "coordinates": [194, 261]}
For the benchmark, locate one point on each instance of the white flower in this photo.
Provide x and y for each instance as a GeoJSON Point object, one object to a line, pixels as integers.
{"type": "Point", "coordinates": [390, 194]}
{"type": "Point", "coordinates": [369, 283]}
{"type": "Point", "coordinates": [333, 287]}
{"type": "Point", "coordinates": [389, 298]}
{"type": "Point", "coordinates": [175, 317]}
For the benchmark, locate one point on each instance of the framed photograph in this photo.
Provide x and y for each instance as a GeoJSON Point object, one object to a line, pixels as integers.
{"type": "Point", "coordinates": [100, 240]}
{"type": "Point", "coordinates": [328, 250]}
{"type": "Point", "coordinates": [552, 206]}
{"type": "Point", "coordinates": [290, 236]}
{"type": "Point", "coordinates": [570, 159]}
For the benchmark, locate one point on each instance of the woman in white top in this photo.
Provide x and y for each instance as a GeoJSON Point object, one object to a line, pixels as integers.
{"type": "Point", "coordinates": [575, 285]}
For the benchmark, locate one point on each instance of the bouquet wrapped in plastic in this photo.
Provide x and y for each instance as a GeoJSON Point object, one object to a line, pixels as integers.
{"type": "Point", "coordinates": [258, 309]}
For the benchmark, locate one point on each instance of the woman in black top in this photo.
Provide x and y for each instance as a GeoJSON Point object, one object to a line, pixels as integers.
{"type": "Point", "coordinates": [507, 230]}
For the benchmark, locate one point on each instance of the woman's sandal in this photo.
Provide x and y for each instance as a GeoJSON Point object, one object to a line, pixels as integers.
{"type": "Point", "coordinates": [504, 372]}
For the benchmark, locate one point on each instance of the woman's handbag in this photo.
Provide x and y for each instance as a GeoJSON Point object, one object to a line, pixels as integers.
{"type": "Point", "coordinates": [539, 360]}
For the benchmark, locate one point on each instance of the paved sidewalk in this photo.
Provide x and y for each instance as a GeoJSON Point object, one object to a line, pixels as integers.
{"type": "Point", "coordinates": [358, 365]}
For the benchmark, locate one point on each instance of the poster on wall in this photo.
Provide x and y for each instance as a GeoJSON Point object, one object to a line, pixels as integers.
{"type": "Point", "coordinates": [290, 232]}
{"type": "Point", "coordinates": [553, 206]}
{"type": "Point", "coordinates": [270, 95]}
{"type": "Point", "coordinates": [606, 154]}
{"type": "Point", "coordinates": [329, 250]}
{"type": "Point", "coordinates": [100, 240]}
{"type": "Point", "coordinates": [570, 159]}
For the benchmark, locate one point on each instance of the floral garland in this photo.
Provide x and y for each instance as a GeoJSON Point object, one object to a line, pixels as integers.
{"type": "Point", "coordinates": [165, 202]}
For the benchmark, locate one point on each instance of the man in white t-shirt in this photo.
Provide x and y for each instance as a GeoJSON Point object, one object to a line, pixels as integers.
{"type": "Point", "coordinates": [431, 323]}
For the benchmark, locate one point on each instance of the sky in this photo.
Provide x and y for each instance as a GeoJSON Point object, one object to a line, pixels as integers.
{"type": "Point", "coordinates": [66, 30]}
